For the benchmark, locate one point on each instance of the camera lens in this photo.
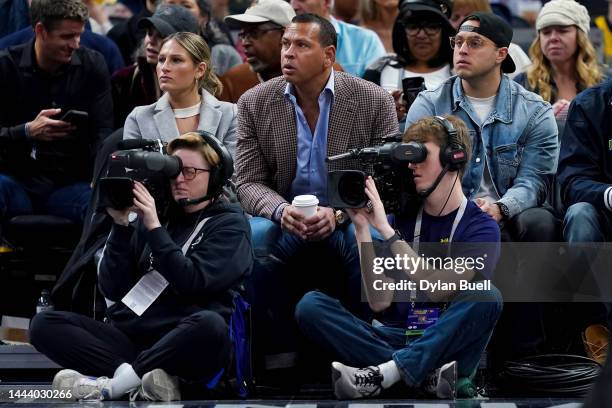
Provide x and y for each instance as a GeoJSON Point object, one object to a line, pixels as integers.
{"type": "Point", "coordinates": [351, 188]}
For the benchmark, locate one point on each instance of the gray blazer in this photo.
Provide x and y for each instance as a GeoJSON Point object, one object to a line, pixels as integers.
{"type": "Point", "coordinates": [156, 121]}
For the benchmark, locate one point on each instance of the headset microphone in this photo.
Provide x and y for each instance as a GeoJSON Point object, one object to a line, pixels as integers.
{"type": "Point", "coordinates": [183, 202]}
{"type": "Point", "coordinates": [425, 193]}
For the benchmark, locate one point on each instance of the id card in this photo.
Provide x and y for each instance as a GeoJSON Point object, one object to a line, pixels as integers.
{"type": "Point", "coordinates": [144, 293]}
{"type": "Point", "coordinates": [420, 319]}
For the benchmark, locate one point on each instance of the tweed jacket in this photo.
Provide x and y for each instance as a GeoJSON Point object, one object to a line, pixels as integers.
{"type": "Point", "coordinates": [266, 153]}
{"type": "Point", "coordinates": [156, 121]}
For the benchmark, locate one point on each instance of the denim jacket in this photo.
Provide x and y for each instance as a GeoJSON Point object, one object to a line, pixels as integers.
{"type": "Point", "coordinates": [518, 140]}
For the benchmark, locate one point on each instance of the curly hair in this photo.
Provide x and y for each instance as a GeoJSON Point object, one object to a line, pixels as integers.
{"type": "Point", "coordinates": [539, 75]}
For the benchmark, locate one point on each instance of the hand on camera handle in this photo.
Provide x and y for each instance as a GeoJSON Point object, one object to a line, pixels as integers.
{"type": "Point", "coordinates": [374, 214]}
{"type": "Point", "coordinates": [144, 206]}
{"type": "Point", "coordinates": [120, 217]}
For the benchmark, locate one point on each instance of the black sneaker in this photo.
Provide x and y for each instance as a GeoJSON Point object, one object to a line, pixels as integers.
{"type": "Point", "coordinates": [352, 383]}
{"type": "Point", "coordinates": [442, 382]}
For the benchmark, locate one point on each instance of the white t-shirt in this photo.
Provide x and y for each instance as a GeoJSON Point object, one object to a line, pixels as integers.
{"type": "Point", "coordinates": [390, 78]}
{"type": "Point", "coordinates": [483, 107]}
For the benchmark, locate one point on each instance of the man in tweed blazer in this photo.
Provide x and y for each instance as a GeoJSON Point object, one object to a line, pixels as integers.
{"type": "Point", "coordinates": [287, 126]}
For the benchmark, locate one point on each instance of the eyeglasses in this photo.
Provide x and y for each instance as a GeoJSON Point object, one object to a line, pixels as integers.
{"type": "Point", "coordinates": [473, 43]}
{"type": "Point", "coordinates": [430, 28]}
{"type": "Point", "coordinates": [189, 173]}
{"type": "Point", "coordinates": [255, 33]}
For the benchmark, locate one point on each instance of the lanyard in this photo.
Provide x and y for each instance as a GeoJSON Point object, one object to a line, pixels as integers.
{"type": "Point", "coordinates": [417, 235]}
{"type": "Point", "coordinates": [417, 226]}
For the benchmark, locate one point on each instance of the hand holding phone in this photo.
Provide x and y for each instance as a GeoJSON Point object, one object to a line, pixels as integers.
{"type": "Point", "coordinates": [46, 127]}
{"type": "Point", "coordinates": [75, 117]}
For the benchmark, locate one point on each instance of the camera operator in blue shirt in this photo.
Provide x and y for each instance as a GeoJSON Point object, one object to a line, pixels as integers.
{"type": "Point", "coordinates": [416, 341]}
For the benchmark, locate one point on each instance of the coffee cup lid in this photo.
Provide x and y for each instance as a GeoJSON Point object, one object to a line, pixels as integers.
{"type": "Point", "coordinates": [305, 200]}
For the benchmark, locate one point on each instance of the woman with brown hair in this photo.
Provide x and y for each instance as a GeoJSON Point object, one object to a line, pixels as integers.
{"type": "Point", "coordinates": [188, 103]}
{"type": "Point", "coordinates": [564, 60]}
{"type": "Point", "coordinates": [422, 50]}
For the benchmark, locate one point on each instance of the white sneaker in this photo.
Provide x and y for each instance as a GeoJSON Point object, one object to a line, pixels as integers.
{"type": "Point", "coordinates": [158, 385]}
{"type": "Point", "coordinates": [442, 382]}
{"type": "Point", "coordinates": [76, 386]}
{"type": "Point", "coordinates": [352, 383]}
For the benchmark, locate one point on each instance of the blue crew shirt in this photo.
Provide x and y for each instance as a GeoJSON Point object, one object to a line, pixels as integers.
{"type": "Point", "coordinates": [357, 47]}
{"type": "Point", "coordinates": [311, 170]}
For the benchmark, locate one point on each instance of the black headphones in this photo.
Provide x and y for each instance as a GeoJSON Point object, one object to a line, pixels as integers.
{"type": "Point", "coordinates": [220, 174]}
{"type": "Point", "coordinates": [452, 154]}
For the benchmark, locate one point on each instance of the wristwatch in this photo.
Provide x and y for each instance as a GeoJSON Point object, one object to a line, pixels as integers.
{"type": "Point", "coordinates": [395, 237]}
{"type": "Point", "coordinates": [342, 218]}
{"type": "Point", "coordinates": [503, 209]}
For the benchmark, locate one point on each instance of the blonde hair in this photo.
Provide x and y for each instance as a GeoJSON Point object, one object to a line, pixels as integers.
{"type": "Point", "coordinates": [539, 75]}
{"type": "Point", "coordinates": [193, 141]}
{"type": "Point", "coordinates": [473, 5]}
{"type": "Point", "coordinates": [199, 52]}
{"type": "Point", "coordinates": [430, 129]}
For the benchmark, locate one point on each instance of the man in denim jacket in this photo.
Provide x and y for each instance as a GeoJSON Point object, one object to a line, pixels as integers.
{"type": "Point", "coordinates": [514, 157]}
{"type": "Point", "coordinates": [514, 133]}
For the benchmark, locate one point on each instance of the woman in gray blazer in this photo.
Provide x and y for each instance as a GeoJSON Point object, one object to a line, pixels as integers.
{"type": "Point", "coordinates": [184, 72]}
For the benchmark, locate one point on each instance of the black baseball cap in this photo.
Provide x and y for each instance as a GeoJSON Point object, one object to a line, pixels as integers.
{"type": "Point", "coordinates": [442, 8]}
{"type": "Point", "coordinates": [169, 19]}
{"type": "Point", "coordinates": [495, 29]}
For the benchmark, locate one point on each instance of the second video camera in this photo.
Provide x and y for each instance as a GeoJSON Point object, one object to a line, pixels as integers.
{"type": "Point", "coordinates": [390, 173]}
{"type": "Point", "coordinates": [141, 160]}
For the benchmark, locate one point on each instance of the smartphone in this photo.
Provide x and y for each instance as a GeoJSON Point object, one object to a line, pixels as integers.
{"type": "Point", "coordinates": [76, 117]}
{"type": "Point", "coordinates": [116, 192]}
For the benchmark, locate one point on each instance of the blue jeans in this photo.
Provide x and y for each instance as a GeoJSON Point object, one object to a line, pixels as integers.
{"type": "Point", "coordinates": [461, 334]}
{"type": "Point", "coordinates": [70, 201]}
{"type": "Point", "coordinates": [285, 268]}
{"type": "Point", "coordinates": [585, 223]}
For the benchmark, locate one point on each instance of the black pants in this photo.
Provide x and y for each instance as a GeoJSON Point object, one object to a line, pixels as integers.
{"type": "Point", "coordinates": [196, 349]}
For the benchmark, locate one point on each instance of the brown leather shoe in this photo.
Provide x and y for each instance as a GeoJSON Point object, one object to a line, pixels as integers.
{"type": "Point", "coordinates": [595, 339]}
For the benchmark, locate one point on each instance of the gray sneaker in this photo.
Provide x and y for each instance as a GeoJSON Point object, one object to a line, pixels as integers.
{"type": "Point", "coordinates": [442, 382]}
{"type": "Point", "coordinates": [158, 385]}
{"type": "Point", "coordinates": [352, 383]}
{"type": "Point", "coordinates": [76, 386]}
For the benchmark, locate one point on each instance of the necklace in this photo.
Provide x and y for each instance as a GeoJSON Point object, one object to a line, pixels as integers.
{"type": "Point", "coordinates": [189, 112]}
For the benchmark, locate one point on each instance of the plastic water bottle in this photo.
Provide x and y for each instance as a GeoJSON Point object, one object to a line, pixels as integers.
{"type": "Point", "coordinates": [44, 302]}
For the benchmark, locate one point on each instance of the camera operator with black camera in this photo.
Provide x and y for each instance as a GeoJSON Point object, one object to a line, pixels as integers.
{"type": "Point", "coordinates": [170, 289]}
{"type": "Point", "coordinates": [422, 343]}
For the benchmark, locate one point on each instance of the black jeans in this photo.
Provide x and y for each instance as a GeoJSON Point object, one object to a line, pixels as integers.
{"type": "Point", "coordinates": [195, 350]}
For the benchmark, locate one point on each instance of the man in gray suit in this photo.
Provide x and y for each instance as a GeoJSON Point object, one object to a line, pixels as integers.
{"type": "Point", "coordinates": [287, 127]}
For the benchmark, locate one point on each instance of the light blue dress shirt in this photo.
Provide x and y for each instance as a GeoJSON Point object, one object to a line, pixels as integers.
{"type": "Point", "coordinates": [311, 170]}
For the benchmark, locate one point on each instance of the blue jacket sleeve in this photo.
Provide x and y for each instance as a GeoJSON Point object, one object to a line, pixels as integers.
{"type": "Point", "coordinates": [540, 157]}
{"type": "Point", "coordinates": [585, 139]}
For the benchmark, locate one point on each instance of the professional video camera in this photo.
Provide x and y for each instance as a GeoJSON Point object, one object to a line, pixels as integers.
{"type": "Point", "coordinates": [393, 179]}
{"type": "Point", "coordinates": [138, 160]}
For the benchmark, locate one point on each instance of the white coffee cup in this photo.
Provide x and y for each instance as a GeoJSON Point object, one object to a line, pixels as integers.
{"type": "Point", "coordinates": [306, 204]}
